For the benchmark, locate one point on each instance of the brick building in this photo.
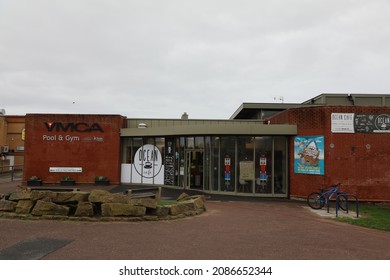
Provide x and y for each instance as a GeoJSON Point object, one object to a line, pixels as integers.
{"type": "Point", "coordinates": [352, 132]}
{"type": "Point", "coordinates": [357, 155]}
{"type": "Point", "coordinates": [78, 146]}
{"type": "Point", "coordinates": [11, 141]}
{"type": "Point", "coordinates": [266, 150]}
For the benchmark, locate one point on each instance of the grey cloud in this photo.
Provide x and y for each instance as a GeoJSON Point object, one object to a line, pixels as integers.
{"type": "Point", "coordinates": [161, 58]}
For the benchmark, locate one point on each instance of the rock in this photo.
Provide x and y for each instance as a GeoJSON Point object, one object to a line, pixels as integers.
{"type": "Point", "coordinates": [21, 195]}
{"type": "Point", "coordinates": [181, 208]}
{"type": "Point", "coordinates": [188, 204]}
{"type": "Point", "coordinates": [24, 206]}
{"type": "Point", "coordinates": [121, 209]}
{"type": "Point", "coordinates": [84, 209]}
{"type": "Point", "coordinates": [183, 196]}
{"type": "Point", "coordinates": [8, 206]}
{"type": "Point", "coordinates": [199, 202]}
{"type": "Point", "coordinates": [147, 202]}
{"type": "Point", "coordinates": [161, 211]}
{"type": "Point", "coordinates": [49, 208]}
{"type": "Point", "coordinates": [99, 196]}
{"type": "Point", "coordinates": [117, 206]}
{"type": "Point", "coordinates": [71, 197]}
{"type": "Point", "coordinates": [120, 198]}
{"type": "Point", "coordinates": [40, 195]}
{"type": "Point", "coordinates": [59, 197]}
{"type": "Point", "coordinates": [102, 196]}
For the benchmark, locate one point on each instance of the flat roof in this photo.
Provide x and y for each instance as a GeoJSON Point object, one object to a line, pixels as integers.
{"type": "Point", "coordinates": [169, 127]}
{"type": "Point", "coordinates": [248, 110]}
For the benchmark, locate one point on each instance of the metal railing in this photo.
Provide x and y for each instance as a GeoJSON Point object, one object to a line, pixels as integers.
{"type": "Point", "coordinates": [10, 173]}
{"type": "Point", "coordinates": [348, 196]}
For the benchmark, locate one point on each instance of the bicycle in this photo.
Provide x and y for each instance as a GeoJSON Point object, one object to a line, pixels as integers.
{"type": "Point", "coordinates": [317, 200]}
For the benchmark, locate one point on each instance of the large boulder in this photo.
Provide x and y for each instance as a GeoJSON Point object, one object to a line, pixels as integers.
{"type": "Point", "coordinates": [20, 195]}
{"type": "Point", "coordinates": [43, 195]}
{"type": "Point", "coordinates": [49, 208]}
{"type": "Point", "coordinates": [8, 206]}
{"type": "Point", "coordinates": [102, 196]}
{"type": "Point", "coordinates": [188, 204]}
{"type": "Point", "coordinates": [84, 209]}
{"type": "Point", "coordinates": [147, 202]}
{"type": "Point", "coordinates": [71, 197]}
{"type": "Point", "coordinates": [121, 209]}
{"type": "Point", "coordinates": [59, 197]}
{"type": "Point", "coordinates": [161, 211]}
{"type": "Point", "coordinates": [24, 206]}
{"type": "Point", "coordinates": [183, 196]}
{"type": "Point", "coordinates": [199, 201]}
{"type": "Point", "coordinates": [181, 208]}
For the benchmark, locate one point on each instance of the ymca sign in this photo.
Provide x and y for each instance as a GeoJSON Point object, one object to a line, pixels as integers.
{"type": "Point", "coordinates": [71, 127]}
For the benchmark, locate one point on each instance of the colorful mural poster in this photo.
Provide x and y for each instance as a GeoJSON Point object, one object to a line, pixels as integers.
{"type": "Point", "coordinates": [309, 155]}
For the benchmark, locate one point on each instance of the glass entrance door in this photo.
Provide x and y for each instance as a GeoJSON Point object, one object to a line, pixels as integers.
{"type": "Point", "coordinates": [194, 169]}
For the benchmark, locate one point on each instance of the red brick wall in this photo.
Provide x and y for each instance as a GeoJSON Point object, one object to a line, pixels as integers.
{"type": "Point", "coordinates": [360, 161]}
{"type": "Point", "coordinates": [96, 152]}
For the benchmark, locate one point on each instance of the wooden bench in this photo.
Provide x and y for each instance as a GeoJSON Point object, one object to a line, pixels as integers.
{"type": "Point", "coordinates": [149, 192]}
{"type": "Point", "coordinates": [53, 189]}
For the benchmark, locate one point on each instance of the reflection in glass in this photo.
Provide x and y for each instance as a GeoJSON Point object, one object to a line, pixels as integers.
{"type": "Point", "coordinates": [246, 175]}
{"type": "Point", "coordinates": [227, 163]}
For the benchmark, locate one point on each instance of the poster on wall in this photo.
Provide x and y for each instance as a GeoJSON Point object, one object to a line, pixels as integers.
{"type": "Point", "coordinates": [246, 170]}
{"type": "Point", "coordinates": [360, 123]}
{"type": "Point", "coordinates": [372, 123]}
{"type": "Point", "coordinates": [342, 123]}
{"type": "Point", "coordinates": [169, 172]}
{"type": "Point", "coordinates": [309, 155]}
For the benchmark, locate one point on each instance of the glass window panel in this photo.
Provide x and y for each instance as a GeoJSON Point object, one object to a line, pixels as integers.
{"type": "Point", "coordinates": [280, 168]}
{"type": "Point", "coordinates": [227, 163]}
{"type": "Point", "coordinates": [207, 158]}
{"type": "Point", "coordinates": [126, 150]}
{"type": "Point", "coordinates": [137, 143]}
{"type": "Point", "coordinates": [246, 168]}
{"type": "Point", "coordinates": [263, 164]}
{"type": "Point", "coordinates": [199, 142]}
{"type": "Point", "coordinates": [149, 140]}
{"type": "Point", "coordinates": [190, 142]}
{"type": "Point", "coordinates": [181, 160]}
{"type": "Point", "coordinates": [177, 161]}
{"type": "Point", "coordinates": [215, 163]}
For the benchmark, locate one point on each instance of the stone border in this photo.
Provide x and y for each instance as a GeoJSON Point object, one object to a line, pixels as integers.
{"type": "Point", "coordinates": [97, 205]}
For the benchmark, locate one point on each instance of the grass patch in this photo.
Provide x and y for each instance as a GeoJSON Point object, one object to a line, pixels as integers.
{"type": "Point", "coordinates": [371, 216]}
{"type": "Point", "coordinates": [166, 202]}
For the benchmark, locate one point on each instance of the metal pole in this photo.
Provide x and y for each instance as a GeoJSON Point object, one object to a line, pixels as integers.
{"type": "Point", "coordinates": [12, 173]}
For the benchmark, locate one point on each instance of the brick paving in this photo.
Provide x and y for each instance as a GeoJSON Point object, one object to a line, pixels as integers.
{"type": "Point", "coordinates": [239, 229]}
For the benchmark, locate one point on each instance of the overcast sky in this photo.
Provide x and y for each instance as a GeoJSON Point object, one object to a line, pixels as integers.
{"type": "Point", "coordinates": [158, 59]}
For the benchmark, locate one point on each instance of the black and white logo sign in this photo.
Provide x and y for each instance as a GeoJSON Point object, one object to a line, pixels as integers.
{"type": "Point", "coordinates": [148, 161]}
{"type": "Point", "coordinates": [382, 122]}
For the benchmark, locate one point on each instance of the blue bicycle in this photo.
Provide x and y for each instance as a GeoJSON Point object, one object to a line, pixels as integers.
{"type": "Point", "coordinates": [317, 200]}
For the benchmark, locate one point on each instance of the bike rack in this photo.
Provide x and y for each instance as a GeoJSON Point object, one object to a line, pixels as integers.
{"type": "Point", "coordinates": [346, 195]}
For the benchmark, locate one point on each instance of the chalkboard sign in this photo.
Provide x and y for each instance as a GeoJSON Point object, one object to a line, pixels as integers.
{"type": "Point", "coordinates": [169, 171]}
{"type": "Point", "coordinates": [372, 123]}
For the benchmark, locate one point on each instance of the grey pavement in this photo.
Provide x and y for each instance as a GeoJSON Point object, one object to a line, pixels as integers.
{"type": "Point", "coordinates": [229, 229]}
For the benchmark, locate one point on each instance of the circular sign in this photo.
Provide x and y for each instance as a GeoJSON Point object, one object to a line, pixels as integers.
{"type": "Point", "coordinates": [148, 161]}
{"type": "Point", "coordinates": [382, 122]}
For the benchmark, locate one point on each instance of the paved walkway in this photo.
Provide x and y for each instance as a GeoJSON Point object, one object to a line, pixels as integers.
{"type": "Point", "coordinates": [255, 229]}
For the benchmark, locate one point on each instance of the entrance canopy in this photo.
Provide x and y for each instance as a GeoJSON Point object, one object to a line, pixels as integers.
{"type": "Point", "coordinates": [230, 156]}
{"type": "Point", "coordinates": [153, 127]}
